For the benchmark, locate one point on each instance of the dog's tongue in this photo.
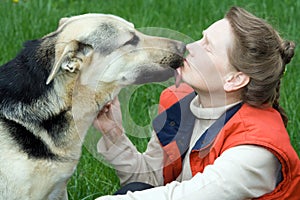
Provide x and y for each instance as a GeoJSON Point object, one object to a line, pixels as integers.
{"type": "Point", "coordinates": [178, 77]}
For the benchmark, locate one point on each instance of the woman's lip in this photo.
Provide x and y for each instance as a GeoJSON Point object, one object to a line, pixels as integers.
{"type": "Point", "coordinates": [186, 62]}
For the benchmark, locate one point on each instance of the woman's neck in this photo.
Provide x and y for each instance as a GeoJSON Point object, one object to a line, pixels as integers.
{"type": "Point", "coordinates": [211, 100]}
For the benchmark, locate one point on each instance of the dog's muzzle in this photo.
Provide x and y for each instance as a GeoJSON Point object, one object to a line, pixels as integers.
{"type": "Point", "coordinates": [178, 59]}
{"type": "Point", "coordinates": [175, 59]}
{"type": "Point", "coordinates": [176, 62]}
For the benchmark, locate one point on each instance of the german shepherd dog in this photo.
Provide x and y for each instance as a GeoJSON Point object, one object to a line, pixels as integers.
{"type": "Point", "coordinates": [70, 73]}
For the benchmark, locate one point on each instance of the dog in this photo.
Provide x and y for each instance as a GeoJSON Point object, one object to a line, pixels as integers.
{"type": "Point", "coordinates": [53, 89]}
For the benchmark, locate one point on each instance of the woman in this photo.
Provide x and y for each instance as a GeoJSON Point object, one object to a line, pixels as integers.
{"type": "Point", "coordinates": [226, 140]}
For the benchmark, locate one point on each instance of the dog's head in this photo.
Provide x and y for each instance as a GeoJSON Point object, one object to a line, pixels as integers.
{"type": "Point", "coordinates": [104, 53]}
{"type": "Point", "coordinates": [109, 49]}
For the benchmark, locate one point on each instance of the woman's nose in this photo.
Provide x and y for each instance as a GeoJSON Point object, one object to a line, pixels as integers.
{"type": "Point", "coordinates": [191, 46]}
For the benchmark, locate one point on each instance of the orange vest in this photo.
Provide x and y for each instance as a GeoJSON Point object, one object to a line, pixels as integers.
{"type": "Point", "coordinates": [239, 126]}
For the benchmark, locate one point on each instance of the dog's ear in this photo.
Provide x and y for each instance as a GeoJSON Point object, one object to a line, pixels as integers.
{"type": "Point", "coordinates": [74, 56]}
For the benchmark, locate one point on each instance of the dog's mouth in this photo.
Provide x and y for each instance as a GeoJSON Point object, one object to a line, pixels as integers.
{"type": "Point", "coordinates": [167, 67]}
{"type": "Point", "coordinates": [176, 63]}
{"type": "Point", "coordinates": [173, 61]}
{"type": "Point", "coordinates": [148, 76]}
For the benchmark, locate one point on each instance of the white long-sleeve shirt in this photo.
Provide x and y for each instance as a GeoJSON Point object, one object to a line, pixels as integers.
{"type": "Point", "coordinates": [241, 172]}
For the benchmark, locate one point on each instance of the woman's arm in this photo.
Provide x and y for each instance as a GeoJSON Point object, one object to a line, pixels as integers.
{"type": "Point", "coordinates": [118, 150]}
{"type": "Point", "coordinates": [242, 172]}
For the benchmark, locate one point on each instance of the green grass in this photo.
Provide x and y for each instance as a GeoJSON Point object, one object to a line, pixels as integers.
{"type": "Point", "coordinates": [32, 19]}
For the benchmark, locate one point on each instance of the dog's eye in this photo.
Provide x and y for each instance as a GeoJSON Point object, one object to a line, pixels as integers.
{"type": "Point", "coordinates": [133, 41]}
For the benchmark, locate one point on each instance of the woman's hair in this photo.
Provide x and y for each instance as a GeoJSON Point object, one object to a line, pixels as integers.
{"type": "Point", "coordinates": [262, 54]}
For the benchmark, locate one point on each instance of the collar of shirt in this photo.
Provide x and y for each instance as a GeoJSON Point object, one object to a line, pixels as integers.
{"type": "Point", "coordinates": [208, 113]}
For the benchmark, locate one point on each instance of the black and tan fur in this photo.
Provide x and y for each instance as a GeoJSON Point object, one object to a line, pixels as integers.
{"type": "Point", "coordinates": [52, 90]}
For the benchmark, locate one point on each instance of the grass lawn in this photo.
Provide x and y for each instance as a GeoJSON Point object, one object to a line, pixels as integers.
{"type": "Point", "coordinates": [30, 19]}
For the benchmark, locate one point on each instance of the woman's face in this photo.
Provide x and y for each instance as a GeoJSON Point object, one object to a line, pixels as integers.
{"type": "Point", "coordinates": [206, 66]}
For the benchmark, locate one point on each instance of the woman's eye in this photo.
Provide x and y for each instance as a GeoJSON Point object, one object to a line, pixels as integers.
{"type": "Point", "coordinates": [133, 41]}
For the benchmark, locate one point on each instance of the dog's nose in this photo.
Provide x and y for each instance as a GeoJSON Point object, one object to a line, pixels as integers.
{"type": "Point", "coordinates": [177, 60]}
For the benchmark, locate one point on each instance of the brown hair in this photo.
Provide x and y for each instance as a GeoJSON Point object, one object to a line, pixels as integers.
{"type": "Point", "coordinates": [261, 53]}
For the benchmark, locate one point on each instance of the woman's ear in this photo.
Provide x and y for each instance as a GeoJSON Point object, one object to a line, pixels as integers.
{"type": "Point", "coordinates": [236, 81]}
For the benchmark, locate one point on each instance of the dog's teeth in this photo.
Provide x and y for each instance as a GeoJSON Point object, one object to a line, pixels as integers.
{"type": "Point", "coordinates": [178, 77]}
{"type": "Point", "coordinates": [178, 70]}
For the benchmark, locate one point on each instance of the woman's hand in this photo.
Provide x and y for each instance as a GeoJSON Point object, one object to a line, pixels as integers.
{"type": "Point", "coordinates": [109, 120]}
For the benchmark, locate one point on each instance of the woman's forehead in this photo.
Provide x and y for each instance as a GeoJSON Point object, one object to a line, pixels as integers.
{"type": "Point", "coordinates": [219, 26]}
{"type": "Point", "coordinates": [220, 33]}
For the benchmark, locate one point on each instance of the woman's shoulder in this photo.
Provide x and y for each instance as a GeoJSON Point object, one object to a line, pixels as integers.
{"type": "Point", "coordinates": [262, 117]}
